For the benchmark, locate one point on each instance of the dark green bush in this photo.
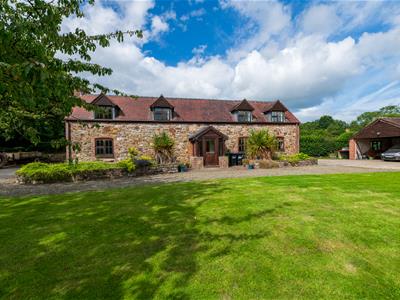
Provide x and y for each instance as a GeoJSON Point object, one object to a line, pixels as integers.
{"type": "Point", "coordinates": [44, 172]}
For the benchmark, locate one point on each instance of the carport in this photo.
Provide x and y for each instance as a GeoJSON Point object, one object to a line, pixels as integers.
{"type": "Point", "coordinates": [375, 138]}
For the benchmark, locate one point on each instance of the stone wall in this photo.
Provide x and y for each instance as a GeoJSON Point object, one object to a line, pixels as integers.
{"type": "Point", "coordinates": [139, 135]}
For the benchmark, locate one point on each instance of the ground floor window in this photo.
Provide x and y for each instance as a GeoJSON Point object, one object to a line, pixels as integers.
{"type": "Point", "coordinates": [242, 144]}
{"type": "Point", "coordinates": [281, 144]}
{"type": "Point", "coordinates": [104, 148]}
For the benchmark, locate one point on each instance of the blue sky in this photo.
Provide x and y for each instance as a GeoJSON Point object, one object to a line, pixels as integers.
{"type": "Point", "coordinates": [318, 57]}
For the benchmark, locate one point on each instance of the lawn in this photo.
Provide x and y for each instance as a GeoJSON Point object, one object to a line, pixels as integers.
{"type": "Point", "coordinates": [295, 237]}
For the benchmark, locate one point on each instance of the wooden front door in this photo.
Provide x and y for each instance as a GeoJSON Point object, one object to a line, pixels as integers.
{"type": "Point", "coordinates": [210, 150]}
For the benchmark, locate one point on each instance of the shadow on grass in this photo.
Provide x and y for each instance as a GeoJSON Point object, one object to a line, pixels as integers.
{"type": "Point", "coordinates": [140, 243]}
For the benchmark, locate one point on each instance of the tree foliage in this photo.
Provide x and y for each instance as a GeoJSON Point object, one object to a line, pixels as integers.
{"type": "Point", "coordinates": [260, 144]}
{"type": "Point", "coordinates": [36, 85]}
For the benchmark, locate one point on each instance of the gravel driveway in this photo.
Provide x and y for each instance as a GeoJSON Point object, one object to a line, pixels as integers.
{"type": "Point", "coordinates": [8, 187]}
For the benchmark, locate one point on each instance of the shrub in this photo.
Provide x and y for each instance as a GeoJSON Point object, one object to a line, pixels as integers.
{"type": "Point", "coordinates": [44, 172]}
{"type": "Point", "coordinates": [133, 152]}
{"type": "Point", "coordinates": [163, 147]}
{"type": "Point", "coordinates": [295, 158]}
{"type": "Point", "coordinates": [260, 144]}
{"type": "Point", "coordinates": [127, 164]}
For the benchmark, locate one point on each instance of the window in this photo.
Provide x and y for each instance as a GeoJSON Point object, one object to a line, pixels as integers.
{"type": "Point", "coordinates": [162, 114]}
{"type": "Point", "coordinates": [105, 112]}
{"type": "Point", "coordinates": [104, 148]}
{"type": "Point", "coordinates": [244, 116]}
{"type": "Point", "coordinates": [276, 116]}
{"type": "Point", "coordinates": [281, 144]}
{"type": "Point", "coordinates": [376, 145]}
{"type": "Point", "coordinates": [242, 144]}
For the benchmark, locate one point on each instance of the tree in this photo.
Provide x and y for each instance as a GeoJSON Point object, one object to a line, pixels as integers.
{"type": "Point", "coordinates": [260, 144]}
{"type": "Point", "coordinates": [365, 118]}
{"type": "Point", "coordinates": [36, 87]}
{"type": "Point", "coordinates": [163, 147]}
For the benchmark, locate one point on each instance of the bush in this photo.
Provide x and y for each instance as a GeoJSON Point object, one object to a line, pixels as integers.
{"type": "Point", "coordinates": [127, 164]}
{"type": "Point", "coordinates": [163, 146]}
{"type": "Point", "coordinates": [44, 172]}
{"type": "Point", "coordinates": [295, 158]}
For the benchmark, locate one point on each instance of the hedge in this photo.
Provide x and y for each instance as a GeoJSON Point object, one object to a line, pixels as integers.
{"type": "Point", "coordinates": [44, 172]}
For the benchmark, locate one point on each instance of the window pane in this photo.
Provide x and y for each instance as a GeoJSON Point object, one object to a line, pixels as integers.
{"type": "Point", "coordinates": [210, 146]}
{"type": "Point", "coordinates": [162, 114]}
{"type": "Point", "coordinates": [104, 147]}
{"type": "Point", "coordinates": [105, 113]}
{"type": "Point", "coordinates": [242, 144]}
{"type": "Point", "coordinates": [244, 116]}
{"type": "Point", "coordinates": [276, 116]}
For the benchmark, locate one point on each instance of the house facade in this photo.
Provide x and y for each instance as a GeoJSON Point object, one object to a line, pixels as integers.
{"type": "Point", "coordinates": [203, 130]}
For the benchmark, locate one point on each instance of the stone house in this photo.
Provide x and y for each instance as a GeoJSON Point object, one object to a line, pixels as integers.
{"type": "Point", "coordinates": [203, 130]}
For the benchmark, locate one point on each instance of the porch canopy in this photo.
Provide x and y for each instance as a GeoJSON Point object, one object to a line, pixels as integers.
{"type": "Point", "coordinates": [209, 143]}
{"type": "Point", "coordinates": [377, 137]}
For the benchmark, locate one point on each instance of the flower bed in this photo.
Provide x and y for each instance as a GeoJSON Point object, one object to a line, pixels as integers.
{"type": "Point", "coordinates": [296, 160]}
{"type": "Point", "coordinates": [35, 173]}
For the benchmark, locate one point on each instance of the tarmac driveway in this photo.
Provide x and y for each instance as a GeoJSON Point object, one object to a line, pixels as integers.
{"type": "Point", "coordinates": [8, 173]}
{"type": "Point", "coordinates": [368, 164]}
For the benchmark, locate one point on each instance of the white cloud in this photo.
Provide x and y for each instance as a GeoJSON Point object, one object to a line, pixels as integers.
{"type": "Point", "coordinates": [158, 25]}
{"type": "Point", "coordinates": [271, 60]}
{"type": "Point", "coordinates": [321, 19]}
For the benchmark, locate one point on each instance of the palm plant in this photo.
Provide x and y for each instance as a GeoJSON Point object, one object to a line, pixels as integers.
{"type": "Point", "coordinates": [260, 144]}
{"type": "Point", "coordinates": [163, 147]}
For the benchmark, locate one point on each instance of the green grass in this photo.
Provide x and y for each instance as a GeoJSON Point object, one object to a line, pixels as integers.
{"type": "Point", "coordinates": [297, 237]}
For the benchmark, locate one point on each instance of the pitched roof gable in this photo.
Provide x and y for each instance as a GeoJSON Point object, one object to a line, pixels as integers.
{"type": "Point", "coordinates": [243, 106]}
{"type": "Point", "coordinates": [162, 103]}
{"type": "Point", "coordinates": [202, 131]}
{"type": "Point", "coordinates": [380, 128]}
{"type": "Point", "coordinates": [103, 100]}
{"type": "Point", "coordinates": [275, 106]}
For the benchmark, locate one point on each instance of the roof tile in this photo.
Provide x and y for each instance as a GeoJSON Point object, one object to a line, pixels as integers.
{"type": "Point", "coordinates": [185, 110]}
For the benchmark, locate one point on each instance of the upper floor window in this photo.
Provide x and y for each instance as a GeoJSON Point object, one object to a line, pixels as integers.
{"type": "Point", "coordinates": [276, 116]}
{"type": "Point", "coordinates": [104, 148]}
{"type": "Point", "coordinates": [105, 112]}
{"type": "Point", "coordinates": [162, 114]}
{"type": "Point", "coordinates": [244, 116]}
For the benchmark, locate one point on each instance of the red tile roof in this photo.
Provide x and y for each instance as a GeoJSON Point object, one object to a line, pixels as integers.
{"type": "Point", "coordinates": [185, 110]}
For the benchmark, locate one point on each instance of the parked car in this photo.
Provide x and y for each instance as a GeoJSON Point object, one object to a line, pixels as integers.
{"type": "Point", "coordinates": [392, 154]}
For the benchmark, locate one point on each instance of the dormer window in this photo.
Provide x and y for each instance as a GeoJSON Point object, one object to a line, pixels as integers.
{"type": "Point", "coordinates": [107, 110]}
{"type": "Point", "coordinates": [162, 114]}
{"type": "Point", "coordinates": [243, 111]}
{"type": "Point", "coordinates": [105, 113]}
{"type": "Point", "coordinates": [162, 109]}
{"type": "Point", "coordinates": [277, 116]}
{"type": "Point", "coordinates": [275, 113]}
{"type": "Point", "coordinates": [244, 116]}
